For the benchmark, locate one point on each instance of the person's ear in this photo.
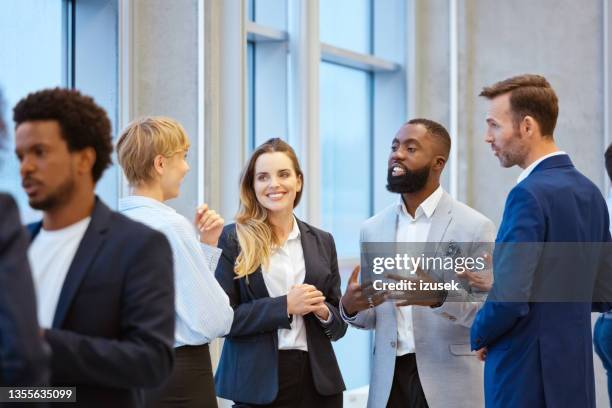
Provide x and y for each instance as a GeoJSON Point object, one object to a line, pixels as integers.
{"type": "Point", "coordinates": [159, 164]}
{"type": "Point", "coordinates": [86, 159]}
{"type": "Point", "coordinates": [528, 126]}
{"type": "Point", "coordinates": [299, 183]}
{"type": "Point", "coordinates": [439, 163]}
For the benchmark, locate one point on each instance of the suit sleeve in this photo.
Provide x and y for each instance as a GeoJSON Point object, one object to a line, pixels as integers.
{"type": "Point", "coordinates": [514, 266]}
{"type": "Point", "coordinates": [142, 355]}
{"type": "Point", "coordinates": [335, 327]}
{"type": "Point", "coordinates": [24, 357]}
{"type": "Point", "coordinates": [366, 319]}
{"type": "Point", "coordinates": [255, 316]}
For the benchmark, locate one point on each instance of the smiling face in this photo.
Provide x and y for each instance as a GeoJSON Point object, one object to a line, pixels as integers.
{"type": "Point", "coordinates": [506, 141]}
{"type": "Point", "coordinates": [49, 170]}
{"type": "Point", "coordinates": [412, 157]}
{"type": "Point", "coordinates": [172, 171]}
{"type": "Point", "coordinates": [276, 182]}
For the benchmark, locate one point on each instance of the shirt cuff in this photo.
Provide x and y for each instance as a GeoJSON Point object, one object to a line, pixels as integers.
{"type": "Point", "coordinates": [344, 315]}
{"type": "Point", "coordinates": [329, 318]}
{"type": "Point", "coordinates": [211, 255]}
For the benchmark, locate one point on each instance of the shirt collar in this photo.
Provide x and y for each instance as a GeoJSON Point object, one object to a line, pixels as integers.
{"type": "Point", "coordinates": [136, 201]}
{"type": "Point", "coordinates": [295, 231]}
{"type": "Point", "coordinates": [525, 173]}
{"type": "Point", "coordinates": [427, 207]}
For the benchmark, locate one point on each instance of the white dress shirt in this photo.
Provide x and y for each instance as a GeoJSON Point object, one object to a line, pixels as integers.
{"type": "Point", "coordinates": [411, 229]}
{"type": "Point", "coordinates": [285, 269]}
{"type": "Point", "coordinates": [203, 312]}
{"type": "Point", "coordinates": [50, 256]}
{"type": "Point", "coordinates": [527, 171]}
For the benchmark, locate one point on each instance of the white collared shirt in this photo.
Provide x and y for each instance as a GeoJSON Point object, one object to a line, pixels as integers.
{"type": "Point", "coordinates": [203, 312]}
{"type": "Point", "coordinates": [286, 268]}
{"type": "Point", "coordinates": [525, 173]}
{"type": "Point", "coordinates": [51, 255]}
{"type": "Point", "coordinates": [412, 229]}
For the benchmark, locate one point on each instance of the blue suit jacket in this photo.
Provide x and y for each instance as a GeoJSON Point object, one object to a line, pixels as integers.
{"type": "Point", "coordinates": [540, 353]}
{"type": "Point", "coordinates": [24, 359]}
{"type": "Point", "coordinates": [113, 329]}
{"type": "Point", "coordinates": [248, 370]}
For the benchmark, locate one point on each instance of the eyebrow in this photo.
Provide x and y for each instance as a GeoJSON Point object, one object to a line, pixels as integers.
{"type": "Point", "coordinates": [32, 147]}
{"type": "Point", "coordinates": [265, 172]}
{"type": "Point", "coordinates": [408, 141]}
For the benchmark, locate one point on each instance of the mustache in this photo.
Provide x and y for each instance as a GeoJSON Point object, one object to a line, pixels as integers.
{"type": "Point", "coordinates": [29, 180]}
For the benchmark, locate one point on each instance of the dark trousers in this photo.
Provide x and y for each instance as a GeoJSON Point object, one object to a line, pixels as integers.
{"type": "Point", "coordinates": [406, 391]}
{"type": "Point", "coordinates": [191, 383]}
{"type": "Point", "coordinates": [602, 340]}
{"type": "Point", "coordinates": [296, 388]}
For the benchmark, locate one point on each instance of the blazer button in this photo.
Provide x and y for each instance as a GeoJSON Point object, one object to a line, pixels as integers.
{"type": "Point", "coordinates": [393, 344]}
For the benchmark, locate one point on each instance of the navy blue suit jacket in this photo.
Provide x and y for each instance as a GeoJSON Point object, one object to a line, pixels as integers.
{"type": "Point", "coordinates": [24, 359]}
{"type": "Point", "coordinates": [248, 370]}
{"type": "Point", "coordinates": [540, 353]}
{"type": "Point", "coordinates": [113, 329]}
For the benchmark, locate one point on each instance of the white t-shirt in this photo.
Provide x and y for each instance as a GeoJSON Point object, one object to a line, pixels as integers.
{"type": "Point", "coordinates": [51, 255]}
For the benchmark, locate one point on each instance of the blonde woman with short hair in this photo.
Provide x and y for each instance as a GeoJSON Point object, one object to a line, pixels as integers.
{"type": "Point", "coordinates": [281, 276]}
{"type": "Point", "coordinates": [152, 152]}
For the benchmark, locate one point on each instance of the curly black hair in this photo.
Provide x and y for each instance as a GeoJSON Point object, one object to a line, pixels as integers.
{"type": "Point", "coordinates": [83, 123]}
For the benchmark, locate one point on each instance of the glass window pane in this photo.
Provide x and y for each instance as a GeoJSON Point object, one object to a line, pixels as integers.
{"type": "Point", "coordinates": [345, 154]}
{"type": "Point", "coordinates": [347, 24]}
{"type": "Point", "coordinates": [346, 187]}
{"type": "Point", "coordinates": [271, 13]}
{"type": "Point", "coordinates": [251, 94]}
{"type": "Point", "coordinates": [267, 110]}
{"type": "Point", "coordinates": [31, 43]}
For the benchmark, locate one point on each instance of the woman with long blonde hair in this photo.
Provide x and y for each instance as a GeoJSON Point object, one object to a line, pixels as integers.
{"type": "Point", "coordinates": [281, 276]}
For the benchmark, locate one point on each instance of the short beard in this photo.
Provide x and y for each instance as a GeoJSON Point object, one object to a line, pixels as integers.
{"type": "Point", "coordinates": [515, 155]}
{"type": "Point", "coordinates": [411, 182]}
{"type": "Point", "coordinates": [57, 198]}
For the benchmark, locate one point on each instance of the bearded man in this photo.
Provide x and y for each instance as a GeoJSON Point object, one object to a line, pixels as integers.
{"type": "Point", "coordinates": [422, 353]}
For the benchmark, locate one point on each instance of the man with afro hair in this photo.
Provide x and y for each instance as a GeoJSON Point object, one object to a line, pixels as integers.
{"type": "Point", "coordinates": [104, 283]}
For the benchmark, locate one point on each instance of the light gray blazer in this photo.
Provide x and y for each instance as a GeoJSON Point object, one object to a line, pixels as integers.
{"type": "Point", "coordinates": [450, 373]}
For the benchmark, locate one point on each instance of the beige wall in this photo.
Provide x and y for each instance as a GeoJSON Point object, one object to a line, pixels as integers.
{"type": "Point", "coordinates": [562, 40]}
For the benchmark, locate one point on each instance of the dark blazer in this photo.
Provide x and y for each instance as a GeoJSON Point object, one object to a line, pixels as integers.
{"type": "Point", "coordinates": [540, 353]}
{"type": "Point", "coordinates": [24, 358]}
{"type": "Point", "coordinates": [113, 329]}
{"type": "Point", "coordinates": [248, 370]}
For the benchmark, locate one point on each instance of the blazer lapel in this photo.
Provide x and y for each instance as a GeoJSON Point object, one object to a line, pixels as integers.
{"type": "Point", "coordinates": [440, 220]}
{"type": "Point", "coordinates": [388, 226]}
{"type": "Point", "coordinates": [256, 285]}
{"type": "Point", "coordinates": [90, 244]}
{"type": "Point", "coordinates": [311, 255]}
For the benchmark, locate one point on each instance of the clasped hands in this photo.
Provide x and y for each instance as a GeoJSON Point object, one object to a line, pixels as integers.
{"type": "Point", "coordinates": [304, 298]}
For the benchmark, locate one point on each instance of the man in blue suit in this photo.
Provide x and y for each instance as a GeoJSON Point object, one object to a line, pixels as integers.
{"type": "Point", "coordinates": [104, 283]}
{"type": "Point", "coordinates": [24, 359]}
{"type": "Point", "coordinates": [538, 354]}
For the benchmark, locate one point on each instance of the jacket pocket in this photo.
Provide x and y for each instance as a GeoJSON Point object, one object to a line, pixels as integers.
{"type": "Point", "coordinates": [460, 350]}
